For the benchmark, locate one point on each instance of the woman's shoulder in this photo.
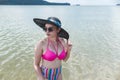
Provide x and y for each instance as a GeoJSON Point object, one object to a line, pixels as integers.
{"type": "Point", "coordinates": [39, 46]}
{"type": "Point", "coordinates": [42, 41]}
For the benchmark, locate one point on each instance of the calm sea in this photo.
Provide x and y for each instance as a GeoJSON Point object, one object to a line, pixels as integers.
{"type": "Point", "coordinates": [94, 32]}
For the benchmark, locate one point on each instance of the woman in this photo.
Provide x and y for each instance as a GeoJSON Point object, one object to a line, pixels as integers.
{"type": "Point", "coordinates": [50, 51]}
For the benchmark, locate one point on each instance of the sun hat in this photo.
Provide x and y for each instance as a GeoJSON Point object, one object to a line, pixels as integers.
{"type": "Point", "coordinates": [55, 21]}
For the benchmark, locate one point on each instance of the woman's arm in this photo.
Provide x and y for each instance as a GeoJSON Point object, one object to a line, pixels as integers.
{"type": "Point", "coordinates": [37, 58]}
{"type": "Point", "coordinates": [68, 47]}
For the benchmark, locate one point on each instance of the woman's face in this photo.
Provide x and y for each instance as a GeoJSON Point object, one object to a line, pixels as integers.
{"type": "Point", "coordinates": [51, 30]}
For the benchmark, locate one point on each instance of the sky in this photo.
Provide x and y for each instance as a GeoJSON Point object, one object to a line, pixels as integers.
{"type": "Point", "coordinates": [88, 2]}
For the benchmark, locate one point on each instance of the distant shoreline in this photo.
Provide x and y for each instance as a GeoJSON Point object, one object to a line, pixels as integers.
{"type": "Point", "coordinates": [32, 2]}
{"type": "Point", "coordinates": [36, 4]}
{"type": "Point", "coordinates": [118, 4]}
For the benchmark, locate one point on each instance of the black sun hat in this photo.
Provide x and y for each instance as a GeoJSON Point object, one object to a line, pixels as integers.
{"type": "Point", "coordinates": [55, 21]}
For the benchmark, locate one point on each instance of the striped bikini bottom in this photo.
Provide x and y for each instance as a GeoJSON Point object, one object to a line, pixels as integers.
{"type": "Point", "coordinates": [51, 73]}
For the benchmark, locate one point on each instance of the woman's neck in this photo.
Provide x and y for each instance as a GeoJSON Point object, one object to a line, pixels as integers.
{"type": "Point", "coordinates": [55, 39]}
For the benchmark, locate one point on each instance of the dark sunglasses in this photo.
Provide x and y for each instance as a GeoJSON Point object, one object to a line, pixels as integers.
{"type": "Point", "coordinates": [50, 29]}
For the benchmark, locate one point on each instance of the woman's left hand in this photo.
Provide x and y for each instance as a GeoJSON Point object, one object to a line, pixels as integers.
{"type": "Point", "coordinates": [68, 49]}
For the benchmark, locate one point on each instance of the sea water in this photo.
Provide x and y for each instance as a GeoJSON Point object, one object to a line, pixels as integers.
{"type": "Point", "coordinates": [94, 32]}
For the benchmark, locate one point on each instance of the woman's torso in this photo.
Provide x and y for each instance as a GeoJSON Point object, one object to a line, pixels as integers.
{"type": "Point", "coordinates": [48, 47]}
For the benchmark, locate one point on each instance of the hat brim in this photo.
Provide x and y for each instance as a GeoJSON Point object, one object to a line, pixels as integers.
{"type": "Point", "coordinates": [41, 23]}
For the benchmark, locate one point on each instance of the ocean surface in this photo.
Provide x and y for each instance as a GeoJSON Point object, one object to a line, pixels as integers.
{"type": "Point", "coordinates": [94, 32]}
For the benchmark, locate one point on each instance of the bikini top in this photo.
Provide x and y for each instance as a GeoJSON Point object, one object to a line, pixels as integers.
{"type": "Point", "coordinates": [50, 55]}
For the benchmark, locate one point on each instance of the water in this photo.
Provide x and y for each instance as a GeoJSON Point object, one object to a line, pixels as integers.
{"type": "Point", "coordinates": [94, 32]}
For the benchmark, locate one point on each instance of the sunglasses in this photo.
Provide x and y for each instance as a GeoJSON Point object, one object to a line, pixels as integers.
{"type": "Point", "coordinates": [50, 29]}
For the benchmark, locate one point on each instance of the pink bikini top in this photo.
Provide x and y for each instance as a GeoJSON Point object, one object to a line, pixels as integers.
{"type": "Point", "coordinates": [50, 55]}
